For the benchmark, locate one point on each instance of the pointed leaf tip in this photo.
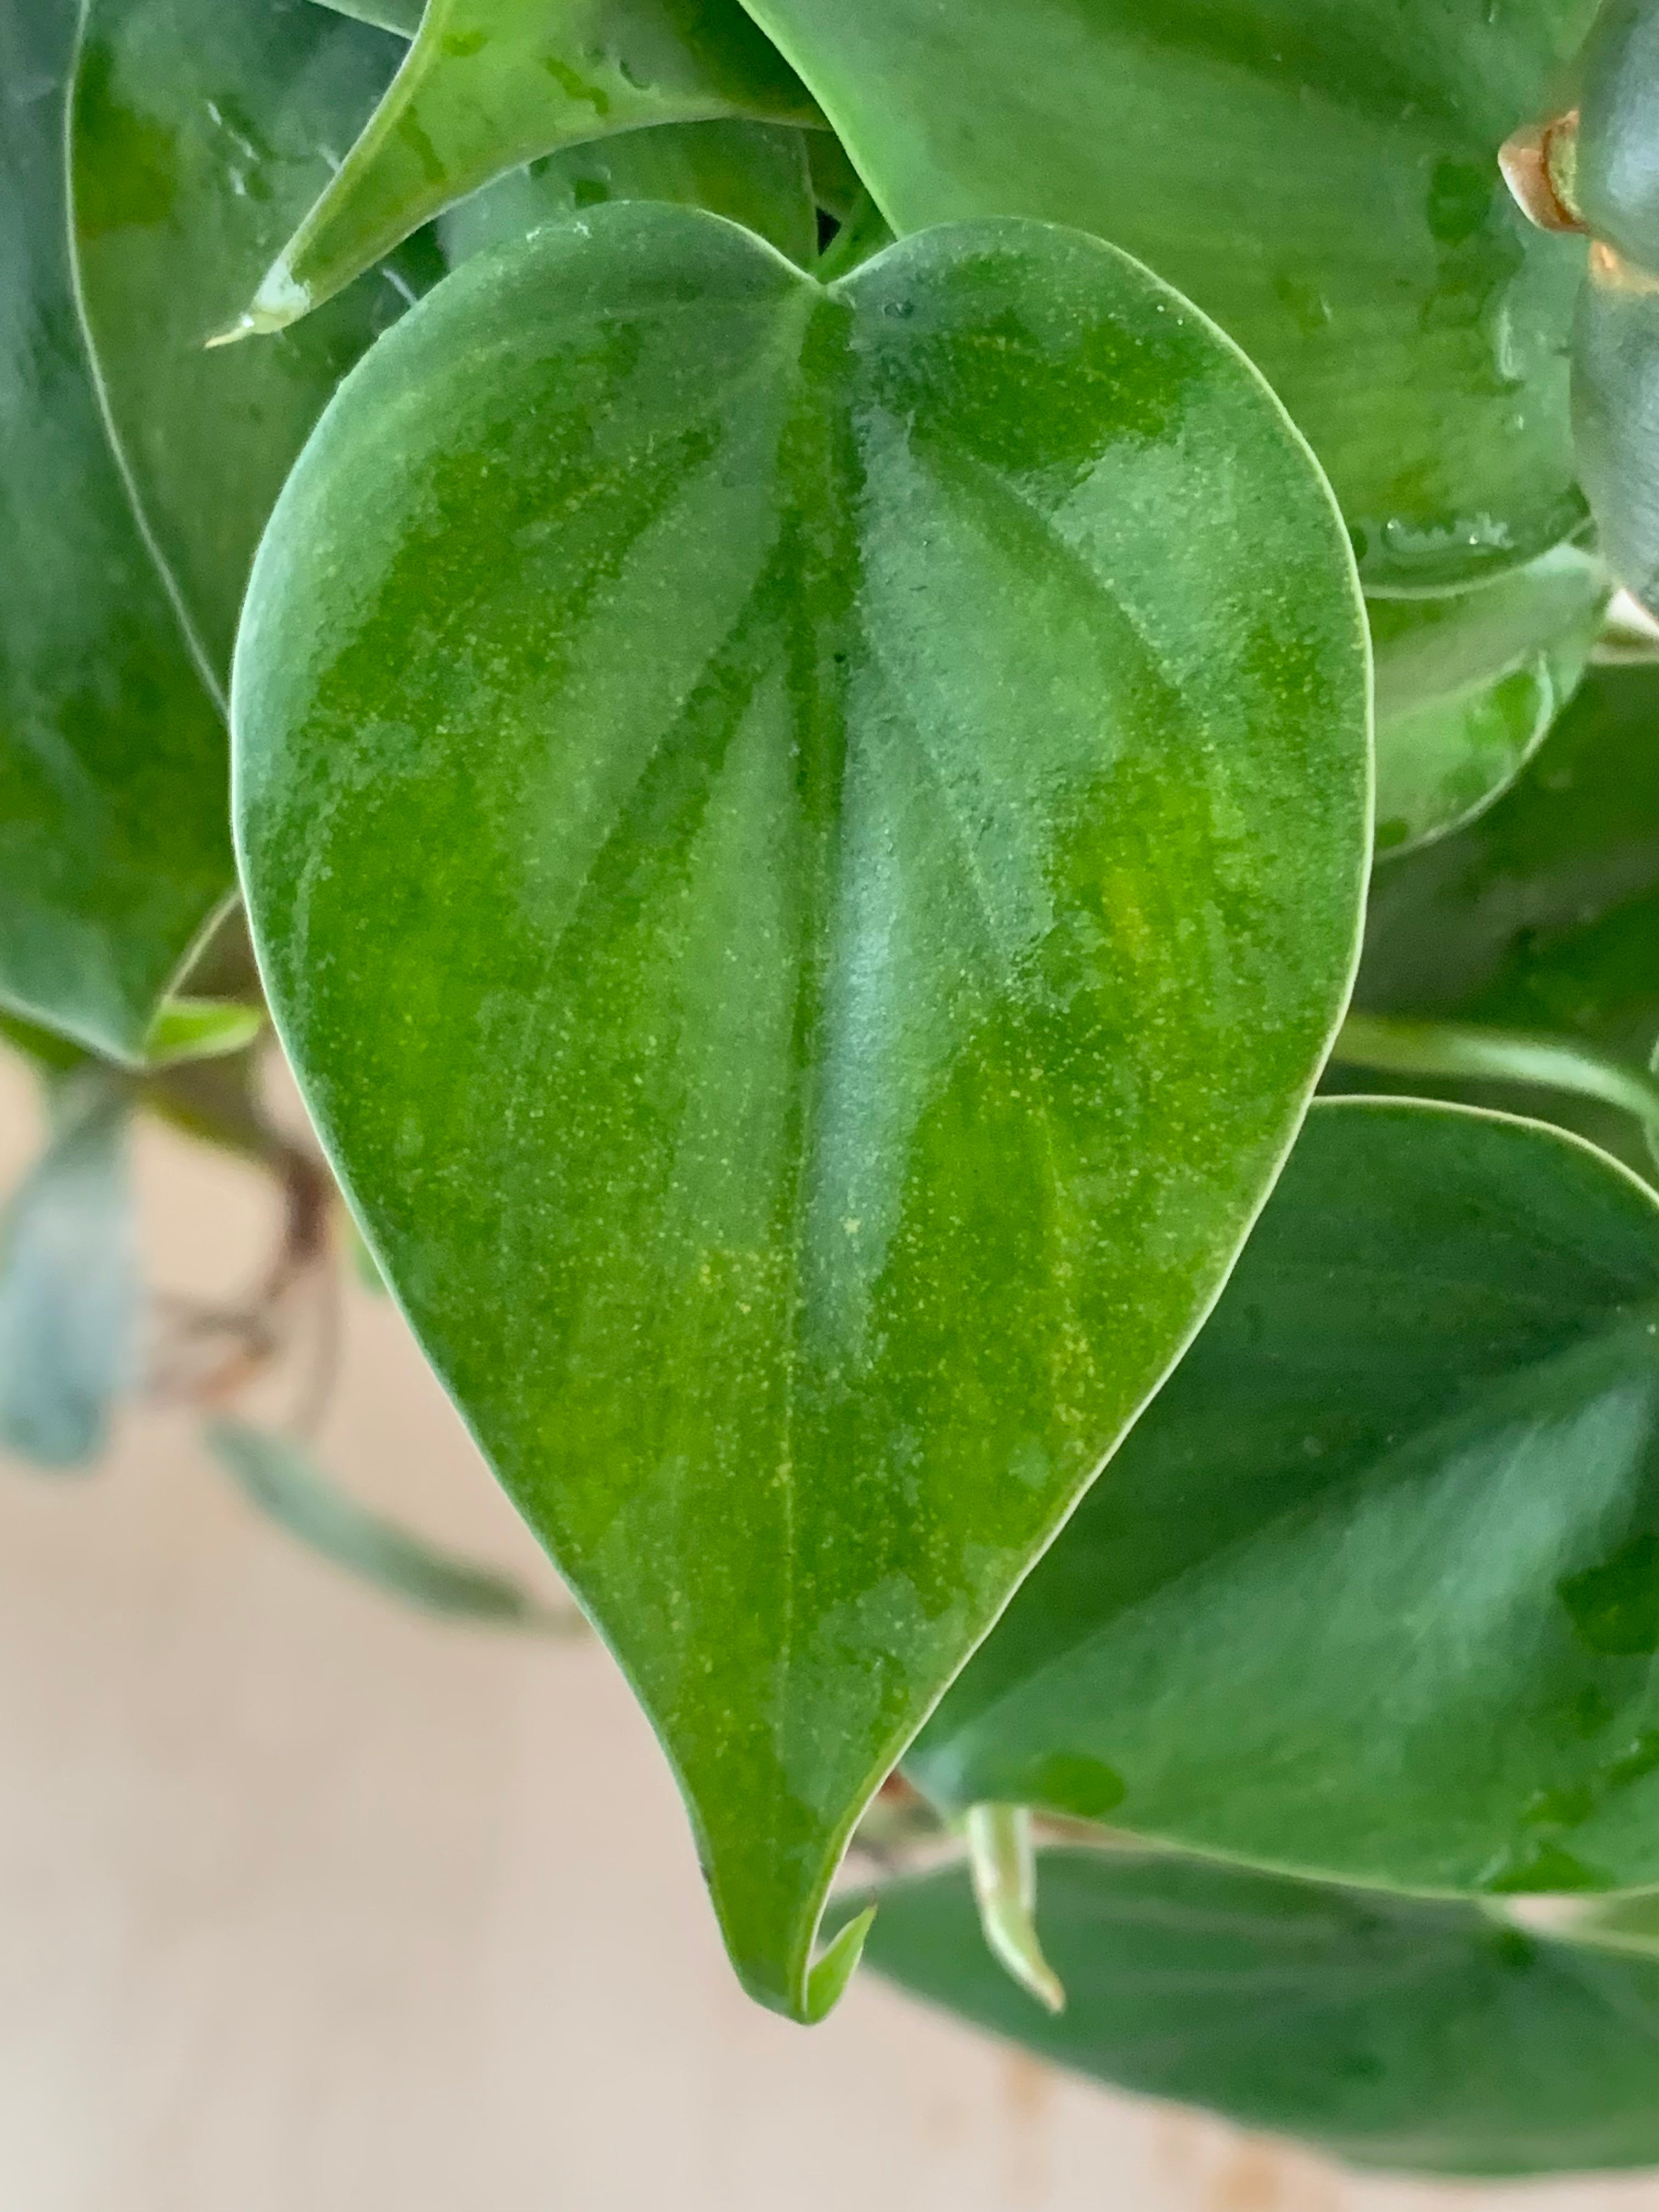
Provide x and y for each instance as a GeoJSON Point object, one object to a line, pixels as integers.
{"type": "Point", "coordinates": [1003, 1864]}
{"type": "Point", "coordinates": [829, 1978]}
{"type": "Point", "coordinates": [200, 1029]}
{"type": "Point", "coordinates": [278, 302]}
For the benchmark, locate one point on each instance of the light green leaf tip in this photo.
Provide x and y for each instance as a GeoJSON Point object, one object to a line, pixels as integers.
{"type": "Point", "coordinates": [1003, 1863]}
{"type": "Point", "coordinates": [200, 1029]}
{"type": "Point", "coordinates": [833, 1971]}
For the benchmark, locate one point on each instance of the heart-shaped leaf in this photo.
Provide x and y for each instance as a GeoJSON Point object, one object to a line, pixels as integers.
{"type": "Point", "coordinates": [1344, 1604]}
{"type": "Point", "coordinates": [1401, 2033]}
{"type": "Point", "coordinates": [805, 842]}
{"type": "Point", "coordinates": [201, 133]}
{"type": "Point", "coordinates": [114, 841]}
{"type": "Point", "coordinates": [1467, 685]}
{"type": "Point", "coordinates": [69, 1291]}
{"type": "Point", "coordinates": [1542, 916]}
{"type": "Point", "coordinates": [1319, 175]}
{"type": "Point", "coordinates": [488, 85]}
{"type": "Point", "coordinates": [754, 174]}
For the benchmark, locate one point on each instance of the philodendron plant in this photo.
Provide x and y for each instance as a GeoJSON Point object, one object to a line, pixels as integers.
{"type": "Point", "coordinates": [807, 630]}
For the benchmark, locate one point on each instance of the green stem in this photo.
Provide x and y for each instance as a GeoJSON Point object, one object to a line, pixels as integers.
{"type": "Point", "coordinates": [1459, 1049]}
{"type": "Point", "coordinates": [1004, 1867]}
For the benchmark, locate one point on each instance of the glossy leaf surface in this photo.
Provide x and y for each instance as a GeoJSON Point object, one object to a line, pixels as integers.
{"type": "Point", "coordinates": [69, 1282]}
{"type": "Point", "coordinates": [1416, 2037]}
{"type": "Point", "coordinates": [489, 85]}
{"type": "Point", "coordinates": [1348, 1602]}
{"type": "Point", "coordinates": [1319, 175]}
{"type": "Point", "coordinates": [281, 1479]}
{"type": "Point", "coordinates": [1615, 178]}
{"type": "Point", "coordinates": [1615, 413]}
{"type": "Point", "coordinates": [1467, 685]}
{"type": "Point", "coordinates": [804, 842]}
{"type": "Point", "coordinates": [114, 841]}
{"type": "Point", "coordinates": [202, 132]}
{"type": "Point", "coordinates": [754, 174]}
{"type": "Point", "coordinates": [1543, 915]}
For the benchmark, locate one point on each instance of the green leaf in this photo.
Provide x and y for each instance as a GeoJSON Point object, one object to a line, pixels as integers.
{"type": "Point", "coordinates": [1470, 1050]}
{"type": "Point", "coordinates": [1406, 2034]}
{"type": "Point", "coordinates": [69, 1282]}
{"type": "Point", "coordinates": [1319, 175]}
{"type": "Point", "coordinates": [401, 16]}
{"type": "Point", "coordinates": [1615, 174]}
{"type": "Point", "coordinates": [1003, 1863]}
{"type": "Point", "coordinates": [805, 908]}
{"type": "Point", "coordinates": [1329, 1609]}
{"type": "Point", "coordinates": [827, 1982]}
{"type": "Point", "coordinates": [114, 841]}
{"type": "Point", "coordinates": [47, 1051]}
{"type": "Point", "coordinates": [200, 1029]}
{"type": "Point", "coordinates": [281, 1479]}
{"type": "Point", "coordinates": [754, 174]}
{"type": "Point", "coordinates": [1615, 414]}
{"type": "Point", "coordinates": [201, 133]}
{"type": "Point", "coordinates": [1467, 685]}
{"type": "Point", "coordinates": [1542, 916]}
{"type": "Point", "coordinates": [489, 85]}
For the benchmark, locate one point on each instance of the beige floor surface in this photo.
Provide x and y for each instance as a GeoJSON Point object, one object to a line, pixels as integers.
{"type": "Point", "coordinates": [309, 1906]}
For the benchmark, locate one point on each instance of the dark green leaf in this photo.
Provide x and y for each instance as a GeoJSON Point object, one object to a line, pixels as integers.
{"type": "Point", "coordinates": [1467, 685]}
{"type": "Point", "coordinates": [202, 131]}
{"type": "Point", "coordinates": [754, 174]}
{"type": "Point", "coordinates": [488, 85]}
{"type": "Point", "coordinates": [1543, 915]}
{"type": "Point", "coordinates": [1615, 415]}
{"type": "Point", "coordinates": [1321, 175]}
{"type": "Point", "coordinates": [805, 907]}
{"type": "Point", "coordinates": [1369, 1591]}
{"type": "Point", "coordinates": [281, 1480]}
{"type": "Point", "coordinates": [114, 843]}
{"type": "Point", "coordinates": [1416, 2037]}
{"type": "Point", "coordinates": [69, 1282]}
